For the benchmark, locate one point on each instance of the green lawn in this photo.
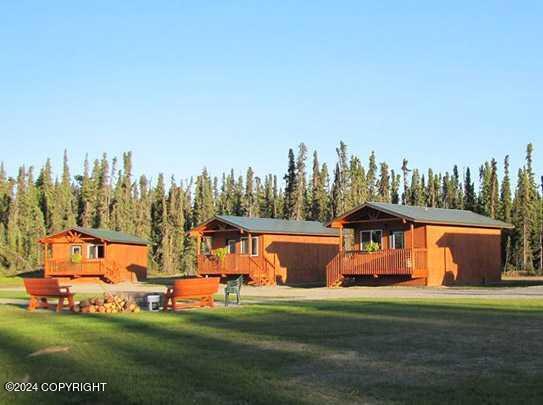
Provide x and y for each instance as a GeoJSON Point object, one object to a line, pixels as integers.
{"type": "Point", "coordinates": [385, 351]}
{"type": "Point", "coordinates": [23, 295]}
{"type": "Point", "coordinates": [10, 281]}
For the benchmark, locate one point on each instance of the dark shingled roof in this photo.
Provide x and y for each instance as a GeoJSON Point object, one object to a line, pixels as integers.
{"type": "Point", "coordinates": [441, 216]}
{"type": "Point", "coordinates": [278, 226]}
{"type": "Point", "coordinates": [111, 236]}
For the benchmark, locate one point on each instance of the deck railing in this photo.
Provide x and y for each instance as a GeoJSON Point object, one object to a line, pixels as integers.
{"type": "Point", "coordinates": [107, 269]}
{"type": "Point", "coordinates": [56, 267]}
{"type": "Point", "coordinates": [386, 262]}
{"type": "Point", "coordinates": [258, 268]}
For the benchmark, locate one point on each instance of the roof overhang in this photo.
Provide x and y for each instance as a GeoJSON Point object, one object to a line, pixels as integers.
{"type": "Point", "coordinates": [339, 221]}
{"type": "Point", "coordinates": [74, 235]}
{"type": "Point", "coordinates": [72, 232]}
{"type": "Point", "coordinates": [200, 229]}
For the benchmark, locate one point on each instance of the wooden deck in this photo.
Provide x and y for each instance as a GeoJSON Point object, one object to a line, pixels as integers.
{"type": "Point", "coordinates": [102, 268]}
{"type": "Point", "coordinates": [258, 268]}
{"type": "Point", "coordinates": [393, 262]}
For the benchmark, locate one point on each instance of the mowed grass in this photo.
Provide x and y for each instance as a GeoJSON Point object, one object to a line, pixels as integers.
{"type": "Point", "coordinates": [10, 281]}
{"type": "Point", "coordinates": [369, 351]}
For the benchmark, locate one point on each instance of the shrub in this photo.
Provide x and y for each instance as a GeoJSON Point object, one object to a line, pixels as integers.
{"type": "Point", "coordinates": [372, 247]}
{"type": "Point", "coordinates": [76, 258]}
{"type": "Point", "coordinates": [221, 253]}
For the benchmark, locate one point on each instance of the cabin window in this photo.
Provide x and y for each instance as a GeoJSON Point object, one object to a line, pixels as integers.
{"type": "Point", "coordinates": [348, 239]}
{"type": "Point", "coordinates": [231, 246]}
{"type": "Point", "coordinates": [244, 244]}
{"type": "Point", "coordinates": [95, 252]}
{"type": "Point", "coordinates": [254, 246]}
{"type": "Point", "coordinates": [367, 237]}
{"type": "Point", "coordinates": [207, 242]}
{"type": "Point", "coordinates": [397, 240]}
{"type": "Point", "coordinates": [75, 250]}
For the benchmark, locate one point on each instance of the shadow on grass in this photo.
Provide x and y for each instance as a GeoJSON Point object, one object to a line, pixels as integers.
{"type": "Point", "coordinates": [309, 352]}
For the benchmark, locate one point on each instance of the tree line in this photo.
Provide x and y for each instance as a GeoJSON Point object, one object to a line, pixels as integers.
{"type": "Point", "coordinates": [106, 195]}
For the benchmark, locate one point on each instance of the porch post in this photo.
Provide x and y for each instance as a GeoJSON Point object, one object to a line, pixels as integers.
{"type": "Point", "coordinates": [341, 238]}
{"type": "Point", "coordinates": [198, 243]}
{"type": "Point", "coordinates": [249, 244]}
{"type": "Point", "coordinates": [45, 259]}
{"type": "Point", "coordinates": [412, 228]}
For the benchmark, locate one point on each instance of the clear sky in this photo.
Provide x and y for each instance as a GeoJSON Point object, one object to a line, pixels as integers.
{"type": "Point", "coordinates": [236, 83]}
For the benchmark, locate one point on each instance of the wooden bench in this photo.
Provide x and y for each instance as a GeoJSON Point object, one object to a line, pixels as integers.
{"type": "Point", "coordinates": [200, 290]}
{"type": "Point", "coordinates": [40, 289]}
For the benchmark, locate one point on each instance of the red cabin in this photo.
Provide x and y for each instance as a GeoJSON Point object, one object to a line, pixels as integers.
{"type": "Point", "coordinates": [392, 243]}
{"type": "Point", "coordinates": [95, 253]}
{"type": "Point", "coordinates": [265, 250]}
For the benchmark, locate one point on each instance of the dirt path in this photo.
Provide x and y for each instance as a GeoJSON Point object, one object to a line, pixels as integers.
{"type": "Point", "coordinates": [293, 293]}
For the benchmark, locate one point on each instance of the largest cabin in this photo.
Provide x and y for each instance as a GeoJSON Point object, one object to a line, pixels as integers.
{"type": "Point", "coordinates": [265, 251]}
{"type": "Point", "coordinates": [382, 243]}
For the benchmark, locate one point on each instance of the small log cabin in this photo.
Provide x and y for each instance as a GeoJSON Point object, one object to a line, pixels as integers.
{"type": "Point", "coordinates": [266, 251]}
{"type": "Point", "coordinates": [394, 243]}
{"type": "Point", "coordinates": [95, 253]}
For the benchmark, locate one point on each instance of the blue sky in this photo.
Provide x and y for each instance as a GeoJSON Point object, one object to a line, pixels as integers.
{"type": "Point", "coordinates": [231, 84]}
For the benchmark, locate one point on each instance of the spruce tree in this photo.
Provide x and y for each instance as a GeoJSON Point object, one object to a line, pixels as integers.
{"type": "Point", "coordinates": [522, 219]}
{"type": "Point", "coordinates": [359, 188]}
{"type": "Point", "coordinates": [4, 204]}
{"type": "Point", "coordinates": [142, 195]}
{"type": "Point", "coordinates": [371, 178]}
{"type": "Point", "coordinates": [249, 198]}
{"type": "Point", "coordinates": [494, 189]}
{"type": "Point", "coordinates": [470, 198]}
{"type": "Point", "coordinates": [300, 187]}
{"type": "Point", "coordinates": [203, 208]}
{"type": "Point", "coordinates": [14, 237]}
{"type": "Point", "coordinates": [86, 196]}
{"type": "Point", "coordinates": [103, 193]}
{"type": "Point", "coordinates": [504, 213]}
{"type": "Point", "coordinates": [394, 187]}
{"type": "Point", "coordinates": [431, 191]}
{"type": "Point", "coordinates": [405, 173]}
{"type": "Point", "coordinates": [315, 184]}
{"type": "Point", "coordinates": [384, 184]}
{"type": "Point", "coordinates": [455, 190]}
{"type": "Point", "coordinates": [505, 194]}
{"type": "Point", "coordinates": [320, 204]}
{"type": "Point", "coordinates": [176, 222]}
{"type": "Point", "coordinates": [64, 197]}
{"type": "Point", "coordinates": [290, 187]}
{"type": "Point", "coordinates": [325, 203]}
{"type": "Point", "coordinates": [159, 225]}
{"type": "Point", "coordinates": [47, 196]}
{"type": "Point", "coordinates": [416, 192]}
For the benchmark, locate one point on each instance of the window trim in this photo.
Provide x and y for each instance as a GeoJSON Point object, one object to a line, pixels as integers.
{"type": "Point", "coordinates": [393, 239]}
{"type": "Point", "coordinates": [90, 245]}
{"type": "Point", "coordinates": [370, 231]}
{"type": "Point", "coordinates": [76, 246]}
{"type": "Point", "coordinates": [253, 244]}
{"type": "Point", "coordinates": [205, 247]}
{"type": "Point", "coordinates": [253, 238]}
{"type": "Point", "coordinates": [231, 243]}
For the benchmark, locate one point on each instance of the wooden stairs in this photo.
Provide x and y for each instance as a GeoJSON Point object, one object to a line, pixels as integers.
{"type": "Point", "coordinates": [261, 274]}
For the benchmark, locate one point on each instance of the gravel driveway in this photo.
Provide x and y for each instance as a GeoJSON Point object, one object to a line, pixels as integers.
{"type": "Point", "coordinates": [319, 293]}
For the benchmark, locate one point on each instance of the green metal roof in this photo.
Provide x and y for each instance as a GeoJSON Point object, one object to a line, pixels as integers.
{"type": "Point", "coordinates": [111, 236]}
{"type": "Point", "coordinates": [277, 226]}
{"type": "Point", "coordinates": [428, 215]}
